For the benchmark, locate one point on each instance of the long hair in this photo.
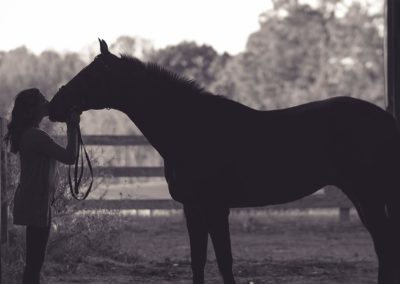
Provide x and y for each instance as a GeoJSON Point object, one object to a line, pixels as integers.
{"type": "Point", "coordinates": [23, 116]}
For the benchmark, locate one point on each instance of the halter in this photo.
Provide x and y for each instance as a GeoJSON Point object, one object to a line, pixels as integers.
{"type": "Point", "coordinates": [74, 187]}
{"type": "Point", "coordinates": [77, 180]}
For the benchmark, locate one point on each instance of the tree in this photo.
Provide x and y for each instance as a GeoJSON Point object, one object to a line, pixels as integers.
{"type": "Point", "coordinates": [17, 71]}
{"type": "Point", "coordinates": [301, 54]}
{"type": "Point", "coordinates": [21, 69]}
{"type": "Point", "coordinates": [199, 63]}
{"type": "Point", "coordinates": [48, 75]}
{"type": "Point", "coordinates": [133, 46]}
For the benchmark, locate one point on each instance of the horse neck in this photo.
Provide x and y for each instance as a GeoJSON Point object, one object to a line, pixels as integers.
{"type": "Point", "coordinates": [156, 100]}
{"type": "Point", "coordinates": [148, 109]}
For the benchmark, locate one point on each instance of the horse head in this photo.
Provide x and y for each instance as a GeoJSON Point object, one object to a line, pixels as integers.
{"type": "Point", "coordinates": [89, 89]}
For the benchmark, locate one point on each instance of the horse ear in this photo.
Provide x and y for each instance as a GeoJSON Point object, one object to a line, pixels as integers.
{"type": "Point", "coordinates": [103, 46]}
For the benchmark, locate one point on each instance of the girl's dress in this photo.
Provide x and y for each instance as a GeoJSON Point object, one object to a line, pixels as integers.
{"type": "Point", "coordinates": [32, 200]}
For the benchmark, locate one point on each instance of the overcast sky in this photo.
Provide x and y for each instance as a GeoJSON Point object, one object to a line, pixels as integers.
{"type": "Point", "coordinates": [71, 25]}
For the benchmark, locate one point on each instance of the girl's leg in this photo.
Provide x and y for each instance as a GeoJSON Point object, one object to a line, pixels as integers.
{"type": "Point", "coordinates": [36, 242]}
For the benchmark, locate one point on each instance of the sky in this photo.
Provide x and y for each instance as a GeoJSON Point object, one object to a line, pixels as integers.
{"type": "Point", "coordinates": [75, 24]}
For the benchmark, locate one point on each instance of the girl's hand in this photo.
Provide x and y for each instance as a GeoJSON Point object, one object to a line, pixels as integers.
{"type": "Point", "coordinates": [74, 119]}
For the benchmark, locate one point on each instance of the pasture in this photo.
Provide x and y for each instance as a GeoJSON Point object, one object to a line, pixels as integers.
{"type": "Point", "coordinates": [308, 246]}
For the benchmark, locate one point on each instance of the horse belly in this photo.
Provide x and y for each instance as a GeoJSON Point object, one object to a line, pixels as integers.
{"type": "Point", "coordinates": [277, 177]}
{"type": "Point", "coordinates": [261, 190]}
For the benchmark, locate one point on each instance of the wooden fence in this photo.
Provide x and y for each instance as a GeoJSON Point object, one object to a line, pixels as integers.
{"type": "Point", "coordinates": [330, 198]}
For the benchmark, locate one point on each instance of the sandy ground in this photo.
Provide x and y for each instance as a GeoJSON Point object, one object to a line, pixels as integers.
{"type": "Point", "coordinates": [266, 248]}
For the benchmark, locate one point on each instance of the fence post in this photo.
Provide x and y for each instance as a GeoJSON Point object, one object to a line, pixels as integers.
{"type": "Point", "coordinates": [4, 182]}
{"type": "Point", "coordinates": [1, 190]}
{"type": "Point", "coordinates": [344, 214]}
{"type": "Point", "coordinates": [2, 186]}
{"type": "Point", "coordinates": [334, 194]}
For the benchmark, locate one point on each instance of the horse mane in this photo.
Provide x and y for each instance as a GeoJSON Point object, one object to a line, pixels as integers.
{"type": "Point", "coordinates": [170, 80]}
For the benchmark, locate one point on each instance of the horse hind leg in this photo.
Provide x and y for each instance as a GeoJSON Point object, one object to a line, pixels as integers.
{"type": "Point", "coordinates": [393, 211]}
{"type": "Point", "coordinates": [391, 182]}
{"type": "Point", "coordinates": [377, 223]}
{"type": "Point", "coordinates": [373, 215]}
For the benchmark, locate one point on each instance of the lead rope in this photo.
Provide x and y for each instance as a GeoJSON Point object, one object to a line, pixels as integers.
{"type": "Point", "coordinates": [77, 180]}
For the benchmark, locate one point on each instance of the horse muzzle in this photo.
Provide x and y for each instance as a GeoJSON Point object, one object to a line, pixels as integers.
{"type": "Point", "coordinates": [59, 112]}
{"type": "Point", "coordinates": [56, 115]}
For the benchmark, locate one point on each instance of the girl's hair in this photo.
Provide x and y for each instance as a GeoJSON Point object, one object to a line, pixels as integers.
{"type": "Point", "coordinates": [23, 116]}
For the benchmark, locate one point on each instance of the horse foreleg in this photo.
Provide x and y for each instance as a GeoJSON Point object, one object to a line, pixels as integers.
{"type": "Point", "coordinates": [198, 237]}
{"type": "Point", "coordinates": [218, 226]}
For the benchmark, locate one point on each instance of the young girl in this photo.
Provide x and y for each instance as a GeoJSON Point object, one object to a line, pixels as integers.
{"type": "Point", "coordinates": [38, 154]}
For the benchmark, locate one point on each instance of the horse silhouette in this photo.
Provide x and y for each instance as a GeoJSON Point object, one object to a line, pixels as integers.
{"type": "Point", "coordinates": [219, 154]}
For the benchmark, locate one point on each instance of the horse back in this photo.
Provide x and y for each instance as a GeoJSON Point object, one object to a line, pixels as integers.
{"type": "Point", "coordinates": [295, 151]}
{"type": "Point", "coordinates": [257, 158]}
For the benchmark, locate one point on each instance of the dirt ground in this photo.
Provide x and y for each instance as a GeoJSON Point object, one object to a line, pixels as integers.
{"type": "Point", "coordinates": [267, 248]}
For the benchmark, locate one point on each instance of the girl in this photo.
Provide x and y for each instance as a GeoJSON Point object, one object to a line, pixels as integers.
{"type": "Point", "coordinates": [38, 154]}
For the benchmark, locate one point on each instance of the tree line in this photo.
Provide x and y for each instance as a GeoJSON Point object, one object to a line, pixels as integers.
{"type": "Point", "coordinates": [299, 54]}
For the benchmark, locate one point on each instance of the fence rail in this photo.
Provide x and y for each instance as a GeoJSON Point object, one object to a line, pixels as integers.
{"type": "Point", "coordinates": [331, 198]}
{"type": "Point", "coordinates": [129, 171]}
{"type": "Point", "coordinates": [111, 140]}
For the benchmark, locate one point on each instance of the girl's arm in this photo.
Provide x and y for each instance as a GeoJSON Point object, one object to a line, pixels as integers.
{"type": "Point", "coordinates": [42, 143]}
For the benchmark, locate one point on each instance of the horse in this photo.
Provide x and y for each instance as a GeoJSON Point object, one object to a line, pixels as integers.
{"type": "Point", "coordinates": [219, 154]}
